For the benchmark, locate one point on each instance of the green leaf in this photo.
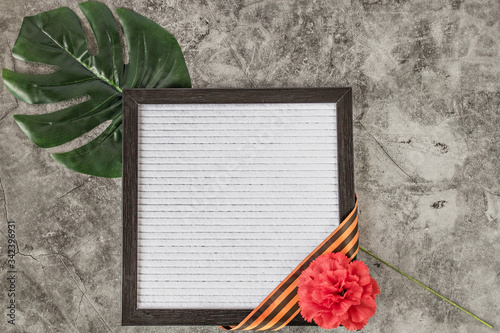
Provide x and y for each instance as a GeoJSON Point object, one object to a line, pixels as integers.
{"type": "Point", "coordinates": [57, 38]}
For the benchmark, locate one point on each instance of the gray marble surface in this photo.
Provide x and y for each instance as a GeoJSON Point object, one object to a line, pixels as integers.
{"type": "Point", "coordinates": [426, 82]}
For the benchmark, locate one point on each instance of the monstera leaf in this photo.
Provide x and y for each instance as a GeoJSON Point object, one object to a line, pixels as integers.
{"type": "Point", "coordinates": [57, 38]}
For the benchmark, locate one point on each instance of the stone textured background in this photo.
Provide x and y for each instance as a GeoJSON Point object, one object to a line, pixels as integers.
{"type": "Point", "coordinates": [426, 81]}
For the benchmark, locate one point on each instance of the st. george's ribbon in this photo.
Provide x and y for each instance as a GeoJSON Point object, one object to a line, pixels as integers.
{"type": "Point", "coordinates": [282, 304]}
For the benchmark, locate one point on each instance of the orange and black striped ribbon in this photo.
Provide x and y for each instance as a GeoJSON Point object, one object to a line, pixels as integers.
{"type": "Point", "coordinates": [282, 304]}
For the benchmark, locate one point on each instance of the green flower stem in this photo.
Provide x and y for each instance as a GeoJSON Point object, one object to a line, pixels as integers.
{"type": "Point", "coordinates": [423, 285]}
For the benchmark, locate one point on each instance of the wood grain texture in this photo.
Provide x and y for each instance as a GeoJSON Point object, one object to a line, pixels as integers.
{"type": "Point", "coordinates": [345, 154]}
{"type": "Point", "coordinates": [129, 181]}
{"type": "Point", "coordinates": [130, 314]}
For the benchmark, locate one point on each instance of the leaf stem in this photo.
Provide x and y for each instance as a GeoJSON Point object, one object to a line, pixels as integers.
{"type": "Point", "coordinates": [424, 286]}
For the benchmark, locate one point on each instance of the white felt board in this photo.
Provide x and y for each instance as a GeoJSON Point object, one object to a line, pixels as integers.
{"type": "Point", "coordinates": [231, 198]}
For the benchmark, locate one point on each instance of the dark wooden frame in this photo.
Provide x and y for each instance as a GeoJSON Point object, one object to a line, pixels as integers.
{"type": "Point", "coordinates": [131, 315]}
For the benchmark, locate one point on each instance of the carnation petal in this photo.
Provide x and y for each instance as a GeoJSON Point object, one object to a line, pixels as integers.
{"type": "Point", "coordinates": [329, 320]}
{"type": "Point", "coordinates": [359, 268]}
{"type": "Point", "coordinates": [363, 311]}
{"type": "Point", "coordinates": [354, 294]}
{"type": "Point", "coordinates": [375, 288]}
{"type": "Point", "coordinates": [310, 310]}
{"type": "Point", "coordinates": [341, 258]}
{"type": "Point", "coordinates": [341, 307]}
{"type": "Point", "coordinates": [354, 326]}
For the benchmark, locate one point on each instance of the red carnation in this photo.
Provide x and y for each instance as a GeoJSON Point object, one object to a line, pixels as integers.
{"type": "Point", "coordinates": [333, 291]}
